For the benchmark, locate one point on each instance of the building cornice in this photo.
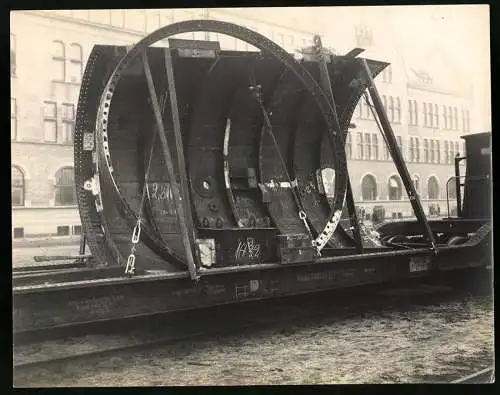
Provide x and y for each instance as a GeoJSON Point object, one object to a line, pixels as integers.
{"type": "Point", "coordinates": [141, 33]}
{"type": "Point", "coordinates": [69, 19]}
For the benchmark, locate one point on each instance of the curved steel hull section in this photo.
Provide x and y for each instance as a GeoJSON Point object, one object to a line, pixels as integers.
{"type": "Point", "coordinates": [225, 142]}
{"type": "Point", "coordinates": [242, 140]}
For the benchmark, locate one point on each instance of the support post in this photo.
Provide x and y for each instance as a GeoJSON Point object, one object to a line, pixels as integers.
{"type": "Point", "coordinates": [397, 157]}
{"type": "Point", "coordinates": [180, 203]}
{"type": "Point", "coordinates": [181, 161]}
{"type": "Point", "coordinates": [83, 243]}
{"type": "Point", "coordinates": [458, 184]}
{"type": "Point", "coordinates": [327, 88]}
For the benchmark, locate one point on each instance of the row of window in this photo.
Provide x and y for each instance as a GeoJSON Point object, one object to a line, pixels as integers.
{"type": "Point", "coordinates": [369, 190]}
{"type": "Point", "coordinates": [432, 151]}
{"type": "Point", "coordinates": [58, 121]}
{"type": "Point", "coordinates": [432, 116]}
{"type": "Point", "coordinates": [148, 21]}
{"type": "Point", "coordinates": [392, 107]}
{"type": "Point", "coordinates": [65, 194]}
{"type": "Point", "coordinates": [368, 148]}
{"type": "Point", "coordinates": [64, 187]}
{"type": "Point", "coordinates": [363, 36]}
{"type": "Point", "coordinates": [67, 61]}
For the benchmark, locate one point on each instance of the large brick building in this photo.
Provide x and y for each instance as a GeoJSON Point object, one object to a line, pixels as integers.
{"type": "Point", "coordinates": [427, 115]}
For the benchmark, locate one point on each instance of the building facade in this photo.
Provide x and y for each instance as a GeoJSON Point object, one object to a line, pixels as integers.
{"type": "Point", "coordinates": [45, 81]}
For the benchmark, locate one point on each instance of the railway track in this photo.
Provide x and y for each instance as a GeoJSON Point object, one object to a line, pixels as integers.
{"type": "Point", "coordinates": [67, 344]}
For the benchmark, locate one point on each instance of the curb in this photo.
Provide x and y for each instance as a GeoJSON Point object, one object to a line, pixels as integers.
{"type": "Point", "coordinates": [45, 242]}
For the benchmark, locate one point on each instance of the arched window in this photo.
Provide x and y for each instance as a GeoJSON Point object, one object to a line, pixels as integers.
{"type": "Point", "coordinates": [17, 186]}
{"type": "Point", "coordinates": [65, 194]}
{"type": "Point", "coordinates": [368, 188]}
{"type": "Point", "coordinates": [394, 188]}
{"type": "Point", "coordinates": [432, 188]}
{"type": "Point", "coordinates": [75, 63]}
{"type": "Point", "coordinates": [59, 58]}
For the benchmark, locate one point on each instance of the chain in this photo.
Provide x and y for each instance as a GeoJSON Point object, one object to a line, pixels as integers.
{"type": "Point", "coordinates": [136, 234]}
{"type": "Point", "coordinates": [257, 92]}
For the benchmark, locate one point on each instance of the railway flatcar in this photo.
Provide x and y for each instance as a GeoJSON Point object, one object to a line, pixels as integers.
{"type": "Point", "coordinates": [206, 176]}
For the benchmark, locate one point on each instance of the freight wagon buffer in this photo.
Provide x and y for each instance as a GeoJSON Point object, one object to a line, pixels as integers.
{"type": "Point", "coordinates": [200, 177]}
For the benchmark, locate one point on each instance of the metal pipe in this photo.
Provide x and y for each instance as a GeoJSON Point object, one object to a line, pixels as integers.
{"type": "Point", "coordinates": [397, 157]}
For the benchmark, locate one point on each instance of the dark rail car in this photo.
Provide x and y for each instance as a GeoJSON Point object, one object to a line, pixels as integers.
{"type": "Point", "coordinates": [203, 178]}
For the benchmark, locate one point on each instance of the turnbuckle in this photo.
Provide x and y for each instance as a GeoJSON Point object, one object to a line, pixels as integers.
{"type": "Point", "coordinates": [303, 217]}
{"type": "Point", "coordinates": [137, 232]}
{"type": "Point", "coordinates": [136, 235]}
{"type": "Point", "coordinates": [130, 269]}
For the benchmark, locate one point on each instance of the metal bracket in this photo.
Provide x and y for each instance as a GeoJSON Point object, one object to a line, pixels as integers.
{"type": "Point", "coordinates": [92, 185]}
{"type": "Point", "coordinates": [195, 48]}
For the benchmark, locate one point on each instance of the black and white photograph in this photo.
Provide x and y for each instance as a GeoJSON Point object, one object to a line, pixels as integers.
{"type": "Point", "coordinates": [251, 196]}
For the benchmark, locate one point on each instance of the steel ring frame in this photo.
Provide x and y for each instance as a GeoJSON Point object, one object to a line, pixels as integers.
{"type": "Point", "coordinates": [260, 42]}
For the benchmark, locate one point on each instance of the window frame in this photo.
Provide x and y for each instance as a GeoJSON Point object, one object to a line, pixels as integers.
{"type": "Point", "coordinates": [61, 60]}
{"type": "Point", "coordinates": [426, 151]}
{"type": "Point", "coordinates": [410, 112]}
{"type": "Point", "coordinates": [391, 108]}
{"type": "Point", "coordinates": [399, 188]}
{"type": "Point", "coordinates": [76, 61]}
{"type": "Point", "coordinates": [429, 189]}
{"type": "Point", "coordinates": [58, 187]}
{"type": "Point", "coordinates": [398, 110]}
{"type": "Point", "coordinates": [348, 145]}
{"type": "Point", "coordinates": [13, 55]}
{"type": "Point", "coordinates": [360, 151]}
{"type": "Point", "coordinates": [67, 121]}
{"type": "Point", "coordinates": [373, 192]}
{"type": "Point", "coordinates": [425, 114]}
{"type": "Point", "coordinates": [50, 119]}
{"type": "Point", "coordinates": [13, 119]}
{"type": "Point", "coordinates": [374, 147]}
{"type": "Point", "coordinates": [117, 13]}
{"type": "Point", "coordinates": [22, 186]}
{"type": "Point", "coordinates": [368, 147]}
